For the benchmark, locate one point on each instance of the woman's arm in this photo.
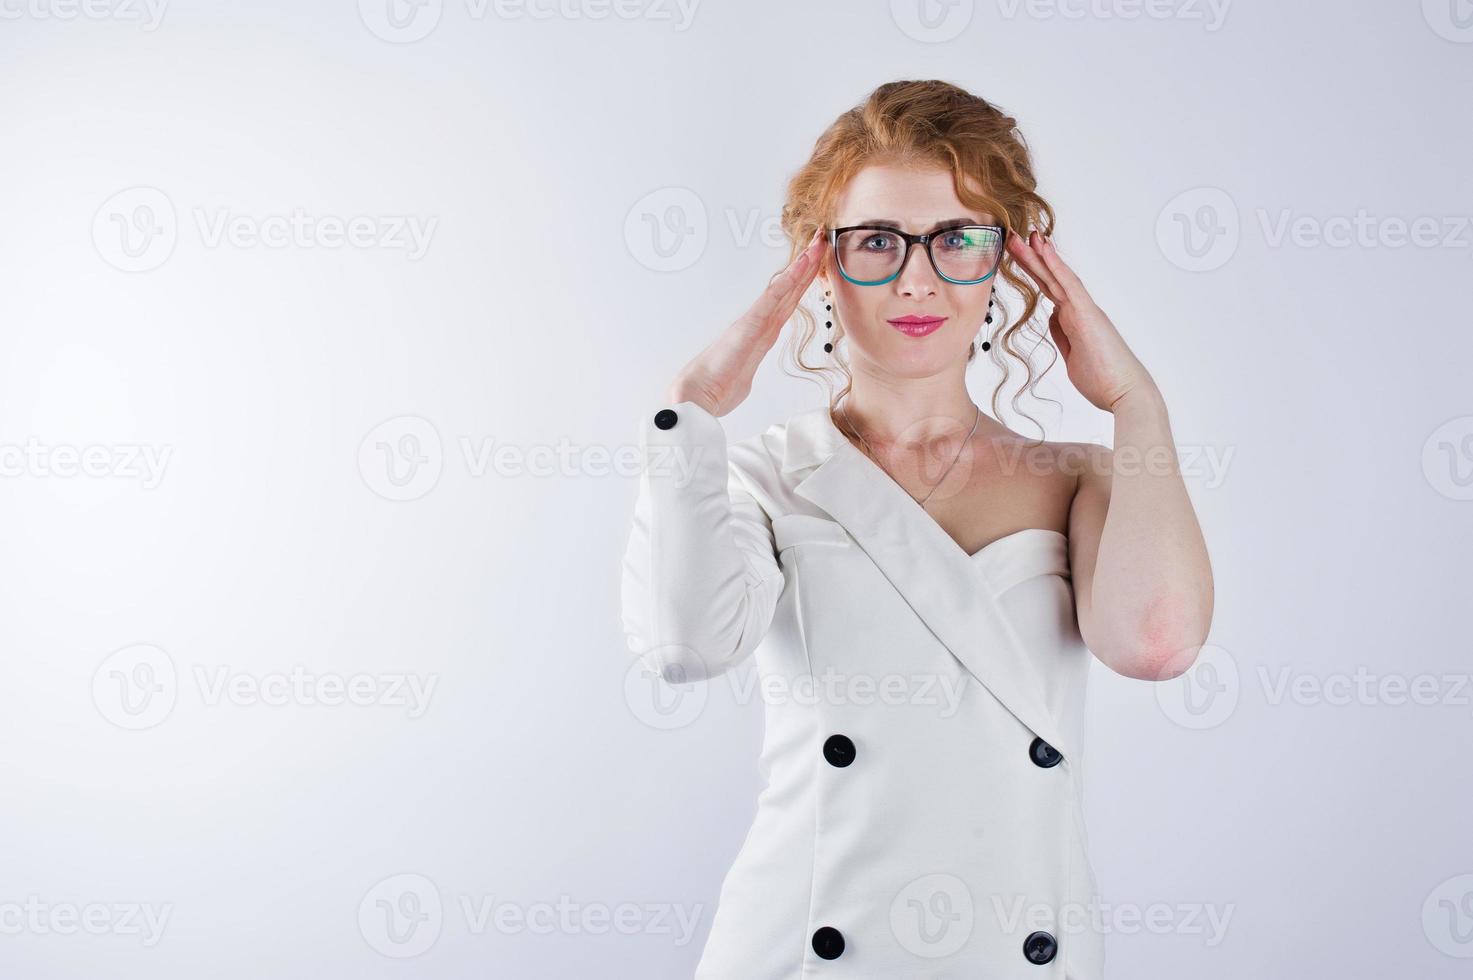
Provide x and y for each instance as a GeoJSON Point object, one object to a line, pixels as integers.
{"type": "Point", "coordinates": [700, 578]}
{"type": "Point", "coordinates": [1142, 578]}
{"type": "Point", "coordinates": [700, 574]}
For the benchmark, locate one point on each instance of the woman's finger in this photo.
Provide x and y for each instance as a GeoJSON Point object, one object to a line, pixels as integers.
{"type": "Point", "coordinates": [1071, 284]}
{"type": "Point", "coordinates": [1033, 264]}
{"type": "Point", "coordinates": [799, 277]}
{"type": "Point", "coordinates": [786, 286]}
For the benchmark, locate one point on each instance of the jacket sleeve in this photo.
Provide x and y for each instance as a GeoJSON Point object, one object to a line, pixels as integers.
{"type": "Point", "coordinates": [700, 575]}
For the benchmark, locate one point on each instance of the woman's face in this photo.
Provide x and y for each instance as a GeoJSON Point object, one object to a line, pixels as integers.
{"type": "Point", "coordinates": [916, 201]}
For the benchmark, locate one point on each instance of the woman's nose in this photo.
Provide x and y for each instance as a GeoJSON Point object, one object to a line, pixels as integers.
{"type": "Point", "coordinates": [916, 278]}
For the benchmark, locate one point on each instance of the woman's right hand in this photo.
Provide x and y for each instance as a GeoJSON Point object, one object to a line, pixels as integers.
{"type": "Point", "coordinates": [720, 377]}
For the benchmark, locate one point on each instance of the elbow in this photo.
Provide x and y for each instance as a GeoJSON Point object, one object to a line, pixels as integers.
{"type": "Point", "coordinates": [1160, 662]}
{"type": "Point", "coordinates": [1162, 644]}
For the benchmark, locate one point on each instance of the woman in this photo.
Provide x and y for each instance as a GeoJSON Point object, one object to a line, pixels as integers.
{"type": "Point", "coordinates": [937, 579]}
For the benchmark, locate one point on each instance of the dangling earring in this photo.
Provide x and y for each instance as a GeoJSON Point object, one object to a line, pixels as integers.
{"type": "Point", "coordinates": [828, 305]}
{"type": "Point", "coordinates": [987, 344]}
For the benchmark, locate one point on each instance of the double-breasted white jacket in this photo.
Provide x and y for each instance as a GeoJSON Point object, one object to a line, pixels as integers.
{"type": "Point", "coordinates": [922, 814]}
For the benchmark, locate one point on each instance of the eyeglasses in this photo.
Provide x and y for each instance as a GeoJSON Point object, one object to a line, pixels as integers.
{"type": "Point", "coordinates": [963, 254]}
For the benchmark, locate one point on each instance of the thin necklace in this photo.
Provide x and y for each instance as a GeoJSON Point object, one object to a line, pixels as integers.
{"type": "Point", "coordinates": [876, 456]}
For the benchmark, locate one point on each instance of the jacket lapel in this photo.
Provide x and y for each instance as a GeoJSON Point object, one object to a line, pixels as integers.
{"type": "Point", "coordinates": [939, 580]}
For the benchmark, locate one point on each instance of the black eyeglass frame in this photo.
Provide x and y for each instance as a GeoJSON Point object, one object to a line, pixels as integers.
{"type": "Point", "coordinates": [913, 240]}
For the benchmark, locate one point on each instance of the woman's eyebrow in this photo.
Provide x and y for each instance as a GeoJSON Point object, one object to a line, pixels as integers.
{"type": "Point", "coordinates": [891, 223]}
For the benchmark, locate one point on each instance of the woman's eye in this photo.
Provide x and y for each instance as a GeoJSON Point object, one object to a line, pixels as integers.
{"type": "Point", "coordinates": [877, 243]}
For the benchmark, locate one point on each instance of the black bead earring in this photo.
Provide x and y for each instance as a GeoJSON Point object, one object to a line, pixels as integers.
{"type": "Point", "coordinates": [987, 344]}
{"type": "Point", "coordinates": [828, 305]}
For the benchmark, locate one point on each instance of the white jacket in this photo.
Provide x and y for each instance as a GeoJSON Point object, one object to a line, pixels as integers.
{"type": "Point", "coordinates": [922, 814]}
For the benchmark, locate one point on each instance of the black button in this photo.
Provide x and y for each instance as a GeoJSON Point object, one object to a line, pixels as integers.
{"type": "Point", "coordinates": [1039, 947]}
{"type": "Point", "coordinates": [665, 418]}
{"type": "Point", "coordinates": [839, 750]}
{"type": "Point", "coordinates": [828, 942]}
{"type": "Point", "coordinates": [1044, 755]}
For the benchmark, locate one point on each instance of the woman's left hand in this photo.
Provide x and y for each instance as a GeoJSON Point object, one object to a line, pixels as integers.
{"type": "Point", "coordinates": [1099, 362]}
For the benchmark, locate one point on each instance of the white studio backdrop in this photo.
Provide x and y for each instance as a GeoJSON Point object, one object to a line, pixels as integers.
{"type": "Point", "coordinates": [325, 330]}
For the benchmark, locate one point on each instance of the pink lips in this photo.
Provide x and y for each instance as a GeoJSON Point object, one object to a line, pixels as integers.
{"type": "Point", "coordinates": [917, 326]}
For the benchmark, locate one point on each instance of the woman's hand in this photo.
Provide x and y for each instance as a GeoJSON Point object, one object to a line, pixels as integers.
{"type": "Point", "coordinates": [720, 377]}
{"type": "Point", "coordinates": [1099, 362]}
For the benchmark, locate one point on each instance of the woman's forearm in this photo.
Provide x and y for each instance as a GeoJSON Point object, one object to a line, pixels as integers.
{"type": "Point", "coordinates": [1152, 584]}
